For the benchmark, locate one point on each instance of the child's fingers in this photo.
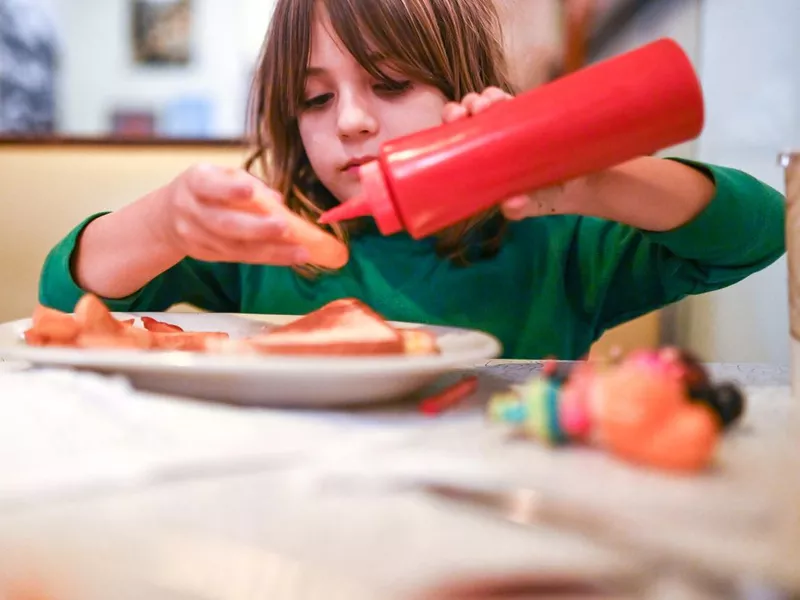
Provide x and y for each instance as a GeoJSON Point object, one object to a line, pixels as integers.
{"type": "Point", "coordinates": [239, 225]}
{"type": "Point", "coordinates": [453, 112]}
{"type": "Point", "coordinates": [208, 239]}
{"type": "Point", "coordinates": [272, 254]}
{"type": "Point", "coordinates": [198, 241]}
{"type": "Point", "coordinates": [516, 208]}
{"type": "Point", "coordinates": [205, 245]}
{"type": "Point", "coordinates": [284, 255]}
{"type": "Point", "coordinates": [477, 103]}
{"type": "Point", "coordinates": [469, 102]}
{"type": "Point", "coordinates": [489, 97]}
{"type": "Point", "coordinates": [215, 184]}
{"type": "Point", "coordinates": [324, 249]}
{"type": "Point", "coordinates": [495, 94]}
{"type": "Point", "coordinates": [473, 103]}
{"type": "Point", "coordinates": [260, 220]}
{"type": "Point", "coordinates": [227, 239]}
{"type": "Point", "coordinates": [197, 237]}
{"type": "Point", "coordinates": [480, 105]}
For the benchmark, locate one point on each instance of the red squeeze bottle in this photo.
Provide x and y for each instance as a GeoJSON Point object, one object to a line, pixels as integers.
{"type": "Point", "coordinates": [628, 106]}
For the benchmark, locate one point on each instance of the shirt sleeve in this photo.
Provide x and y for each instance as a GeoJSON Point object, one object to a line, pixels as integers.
{"type": "Point", "coordinates": [208, 286]}
{"type": "Point", "coordinates": [626, 272]}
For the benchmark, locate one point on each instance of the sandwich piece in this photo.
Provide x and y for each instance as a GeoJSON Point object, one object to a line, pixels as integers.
{"type": "Point", "coordinates": [342, 327]}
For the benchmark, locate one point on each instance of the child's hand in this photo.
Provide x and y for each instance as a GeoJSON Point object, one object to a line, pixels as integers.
{"type": "Point", "coordinates": [542, 202]}
{"type": "Point", "coordinates": [205, 215]}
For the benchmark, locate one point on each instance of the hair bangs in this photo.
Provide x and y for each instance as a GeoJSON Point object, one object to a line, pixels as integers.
{"type": "Point", "coordinates": [402, 35]}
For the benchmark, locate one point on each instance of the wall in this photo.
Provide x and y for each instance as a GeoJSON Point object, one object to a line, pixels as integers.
{"type": "Point", "coordinates": [533, 39]}
{"type": "Point", "coordinates": [254, 18]}
{"type": "Point", "coordinates": [98, 73]}
{"type": "Point", "coordinates": [752, 86]}
{"type": "Point", "coordinates": [49, 190]}
{"type": "Point", "coordinates": [744, 53]}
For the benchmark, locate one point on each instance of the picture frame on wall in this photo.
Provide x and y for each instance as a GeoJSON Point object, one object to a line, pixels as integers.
{"type": "Point", "coordinates": [162, 31]}
{"type": "Point", "coordinates": [133, 123]}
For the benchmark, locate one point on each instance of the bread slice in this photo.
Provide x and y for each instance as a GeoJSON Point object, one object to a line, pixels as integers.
{"type": "Point", "coordinates": [346, 326]}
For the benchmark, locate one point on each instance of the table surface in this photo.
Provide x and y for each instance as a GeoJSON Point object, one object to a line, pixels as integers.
{"type": "Point", "coordinates": [330, 500]}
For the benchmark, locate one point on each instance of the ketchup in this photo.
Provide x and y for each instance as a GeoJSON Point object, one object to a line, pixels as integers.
{"type": "Point", "coordinates": [628, 106]}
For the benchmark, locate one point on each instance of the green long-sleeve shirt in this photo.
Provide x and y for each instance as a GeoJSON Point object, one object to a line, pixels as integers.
{"type": "Point", "coordinates": [555, 286]}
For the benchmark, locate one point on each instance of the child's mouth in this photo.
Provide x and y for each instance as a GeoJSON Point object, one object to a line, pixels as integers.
{"type": "Point", "coordinates": [352, 167]}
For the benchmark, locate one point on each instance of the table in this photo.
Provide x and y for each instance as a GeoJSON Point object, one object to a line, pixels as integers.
{"type": "Point", "coordinates": [342, 517]}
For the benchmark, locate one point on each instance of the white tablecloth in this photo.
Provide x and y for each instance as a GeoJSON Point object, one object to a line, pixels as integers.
{"type": "Point", "coordinates": [173, 484]}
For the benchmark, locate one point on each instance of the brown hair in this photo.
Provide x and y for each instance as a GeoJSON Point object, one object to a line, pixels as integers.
{"type": "Point", "coordinates": [453, 45]}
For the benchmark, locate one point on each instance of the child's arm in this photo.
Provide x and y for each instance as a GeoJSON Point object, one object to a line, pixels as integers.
{"type": "Point", "coordinates": [625, 270]}
{"type": "Point", "coordinates": [171, 234]}
{"type": "Point", "coordinates": [119, 253]}
{"type": "Point", "coordinates": [648, 193]}
{"type": "Point", "coordinates": [192, 216]}
{"type": "Point", "coordinates": [207, 285]}
{"type": "Point", "coordinates": [652, 231]}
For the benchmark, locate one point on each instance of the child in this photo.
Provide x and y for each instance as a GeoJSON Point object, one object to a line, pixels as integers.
{"type": "Point", "coordinates": [547, 274]}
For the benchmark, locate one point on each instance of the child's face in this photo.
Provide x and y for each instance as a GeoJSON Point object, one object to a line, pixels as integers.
{"type": "Point", "coordinates": [347, 114]}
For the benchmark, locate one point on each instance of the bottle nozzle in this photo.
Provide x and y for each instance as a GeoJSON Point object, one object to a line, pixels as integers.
{"type": "Point", "coordinates": [358, 206]}
{"type": "Point", "coordinates": [373, 201]}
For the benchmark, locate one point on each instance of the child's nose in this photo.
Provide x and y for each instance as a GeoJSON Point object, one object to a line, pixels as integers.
{"type": "Point", "coordinates": [355, 119]}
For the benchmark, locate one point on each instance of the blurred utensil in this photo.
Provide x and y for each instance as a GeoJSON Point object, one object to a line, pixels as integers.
{"type": "Point", "coordinates": [526, 507]}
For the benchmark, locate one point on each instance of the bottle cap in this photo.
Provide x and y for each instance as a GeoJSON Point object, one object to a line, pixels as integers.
{"type": "Point", "coordinates": [374, 201]}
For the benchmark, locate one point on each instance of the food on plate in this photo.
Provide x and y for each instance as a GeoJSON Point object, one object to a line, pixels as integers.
{"type": "Point", "coordinates": [152, 324]}
{"type": "Point", "coordinates": [419, 341]}
{"type": "Point", "coordinates": [93, 326]}
{"type": "Point", "coordinates": [342, 327]}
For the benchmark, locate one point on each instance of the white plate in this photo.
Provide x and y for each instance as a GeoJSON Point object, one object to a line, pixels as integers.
{"type": "Point", "coordinates": [267, 380]}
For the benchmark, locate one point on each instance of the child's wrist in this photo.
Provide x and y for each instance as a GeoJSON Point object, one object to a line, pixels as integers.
{"type": "Point", "coordinates": [575, 196]}
{"type": "Point", "coordinates": [560, 199]}
{"type": "Point", "coordinates": [156, 230]}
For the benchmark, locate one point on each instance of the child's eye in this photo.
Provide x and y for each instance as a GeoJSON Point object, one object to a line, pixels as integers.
{"type": "Point", "coordinates": [317, 101]}
{"type": "Point", "coordinates": [392, 87]}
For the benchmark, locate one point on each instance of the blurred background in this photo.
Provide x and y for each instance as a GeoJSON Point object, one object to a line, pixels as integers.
{"type": "Point", "coordinates": [104, 100]}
